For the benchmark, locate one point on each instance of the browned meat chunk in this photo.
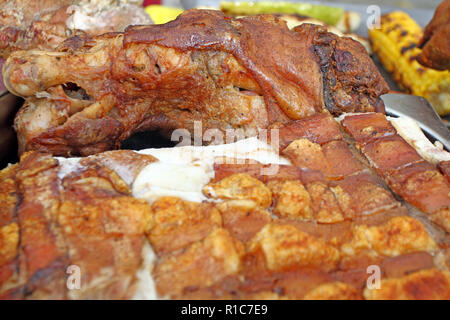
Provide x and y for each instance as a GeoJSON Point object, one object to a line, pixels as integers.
{"type": "Point", "coordinates": [421, 185]}
{"type": "Point", "coordinates": [85, 219]}
{"type": "Point", "coordinates": [96, 92]}
{"type": "Point", "coordinates": [319, 128]}
{"type": "Point", "coordinates": [435, 43]}
{"type": "Point", "coordinates": [444, 166]}
{"type": "Point", "coordinates": [341, 160]}
{"type": "Point", "coordinates": [366, 127]}
{"type": "Point", "coordinates": [179, 223]}
{"type": "Point", "coordinates": [361, 194]}
{"type": "Point", "coordinates": [390, 153]}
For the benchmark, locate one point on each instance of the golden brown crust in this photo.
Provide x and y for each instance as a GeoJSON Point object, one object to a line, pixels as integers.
{"type": "Point", "coordinates": [324, 203]}
{"type": "Point", "coordinates": [85, 219]}
{"type": "Point", "coordinates": [179, 223]}
{"type": "Point", "coordinates": [9, 230]}
{"type": "Point", "coordinates": [431, 284]}
{"type": "Point", "coordinates": [9, 242]}
{"type": "Point", "coordinates": [367, 127]}
{"type": "Point", "coordinates": [362, 195]}
{"type": "Point", "coordinates": [306, 154]}
{"type": "Point", "coordinates": [422, 185]}
{"type": "Point", "coordinates": [238, 187]}
{"type": "Point", "coordinates": [319, 128]}
{"type": "Point", "coordinates": [8, 194]}
{"type": "Point", "coordinates": [248, 73]}
{"type": "Point", "coordinates": [291, 199]}
{"type": "Point", "coordinates": [442, 218]}
{"type": "Point", "coordinates": [243, 218]}
{"type": "Point", "coordinates": [292, 235]}
{"type": "Point", "coordinates": [333, 291]}
{"type": "Point", "coordinates": [409, 176]}
{"type": "Point", "coordinates": [126, 163]}
{"type": "Point", "coordinates": [203, 264]}
{"type": "Point", "coordinates": [284, 247]}
{"type": "Point", "coordinates": [398, 236]}
{"type": "Point", "coordinates": [444, 167]}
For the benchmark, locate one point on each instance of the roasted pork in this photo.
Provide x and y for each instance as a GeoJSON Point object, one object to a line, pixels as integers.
{"type": "Point", "coordinates": [248, 73]}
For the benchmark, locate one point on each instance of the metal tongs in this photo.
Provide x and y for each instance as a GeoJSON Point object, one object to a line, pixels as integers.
{"type": "Point", "coordinates": [419, 109]}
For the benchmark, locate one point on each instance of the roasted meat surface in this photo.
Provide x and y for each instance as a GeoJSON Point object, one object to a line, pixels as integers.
{"type": "Point", "coordinates": [435, 43]}
{"type": "Point", "coordinates": [44, 24]}
{"type": "Point", "coordinates": [249, 73]}
{"type": "Point", "coordinates": [86, 219]}
{"type": "Point", "coordinates": [36, 24]}
{"type": "Point", "coordinates": [309, 230]}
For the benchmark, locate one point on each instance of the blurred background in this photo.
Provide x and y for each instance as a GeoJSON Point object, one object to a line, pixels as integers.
{"type": "Point", "coordinates": [420, 4]}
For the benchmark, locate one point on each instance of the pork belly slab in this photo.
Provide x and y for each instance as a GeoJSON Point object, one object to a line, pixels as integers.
{"type": "Point", "coordinates": [236, 221]}
{"type": "Point", "coordinates": [249, 73]}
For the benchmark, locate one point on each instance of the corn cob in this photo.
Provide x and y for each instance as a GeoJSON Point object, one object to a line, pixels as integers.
{"type": "Point", "coordinates": [395, 43]}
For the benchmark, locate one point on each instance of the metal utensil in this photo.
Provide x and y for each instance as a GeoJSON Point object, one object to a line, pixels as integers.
{"type": "Point", "coordinates": [419, 109]}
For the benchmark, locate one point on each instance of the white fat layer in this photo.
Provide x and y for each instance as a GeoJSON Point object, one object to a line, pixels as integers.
{"type": "Point", "coordinates": [43, 94]}
{"type": "Point", "coordinates": [168, 179]}
{"type": "Point", "coordinates": [80, 20]}
{"type": "Point", "coordinates": [346, 114]}
{"type": "Point", "coordinates": [92, 14]}
{"type": "Point", "coordinates": [67, 166]}
{"type": "Point", "coordinates": [145, 289]}
{"type": "Point", "coordinates": [409, 130]}
{"type": "Point", "coordinates": [251, 148]}
{"type": "Point", "coordinates": [180, 172]}
{"type": "Point", "coordinates": [183, 171]}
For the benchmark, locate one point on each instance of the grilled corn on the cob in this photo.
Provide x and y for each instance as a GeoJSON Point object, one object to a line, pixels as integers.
{"type": "Point", "coordinates": [395, 43]}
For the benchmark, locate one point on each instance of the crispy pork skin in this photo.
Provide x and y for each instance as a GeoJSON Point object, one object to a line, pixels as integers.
{"type": "Point", "coordinates": [304, 232]}
{"type": "Point", "coordinates": [249, 73]}
{"type": "Point", "coordinates": [51, 223]}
